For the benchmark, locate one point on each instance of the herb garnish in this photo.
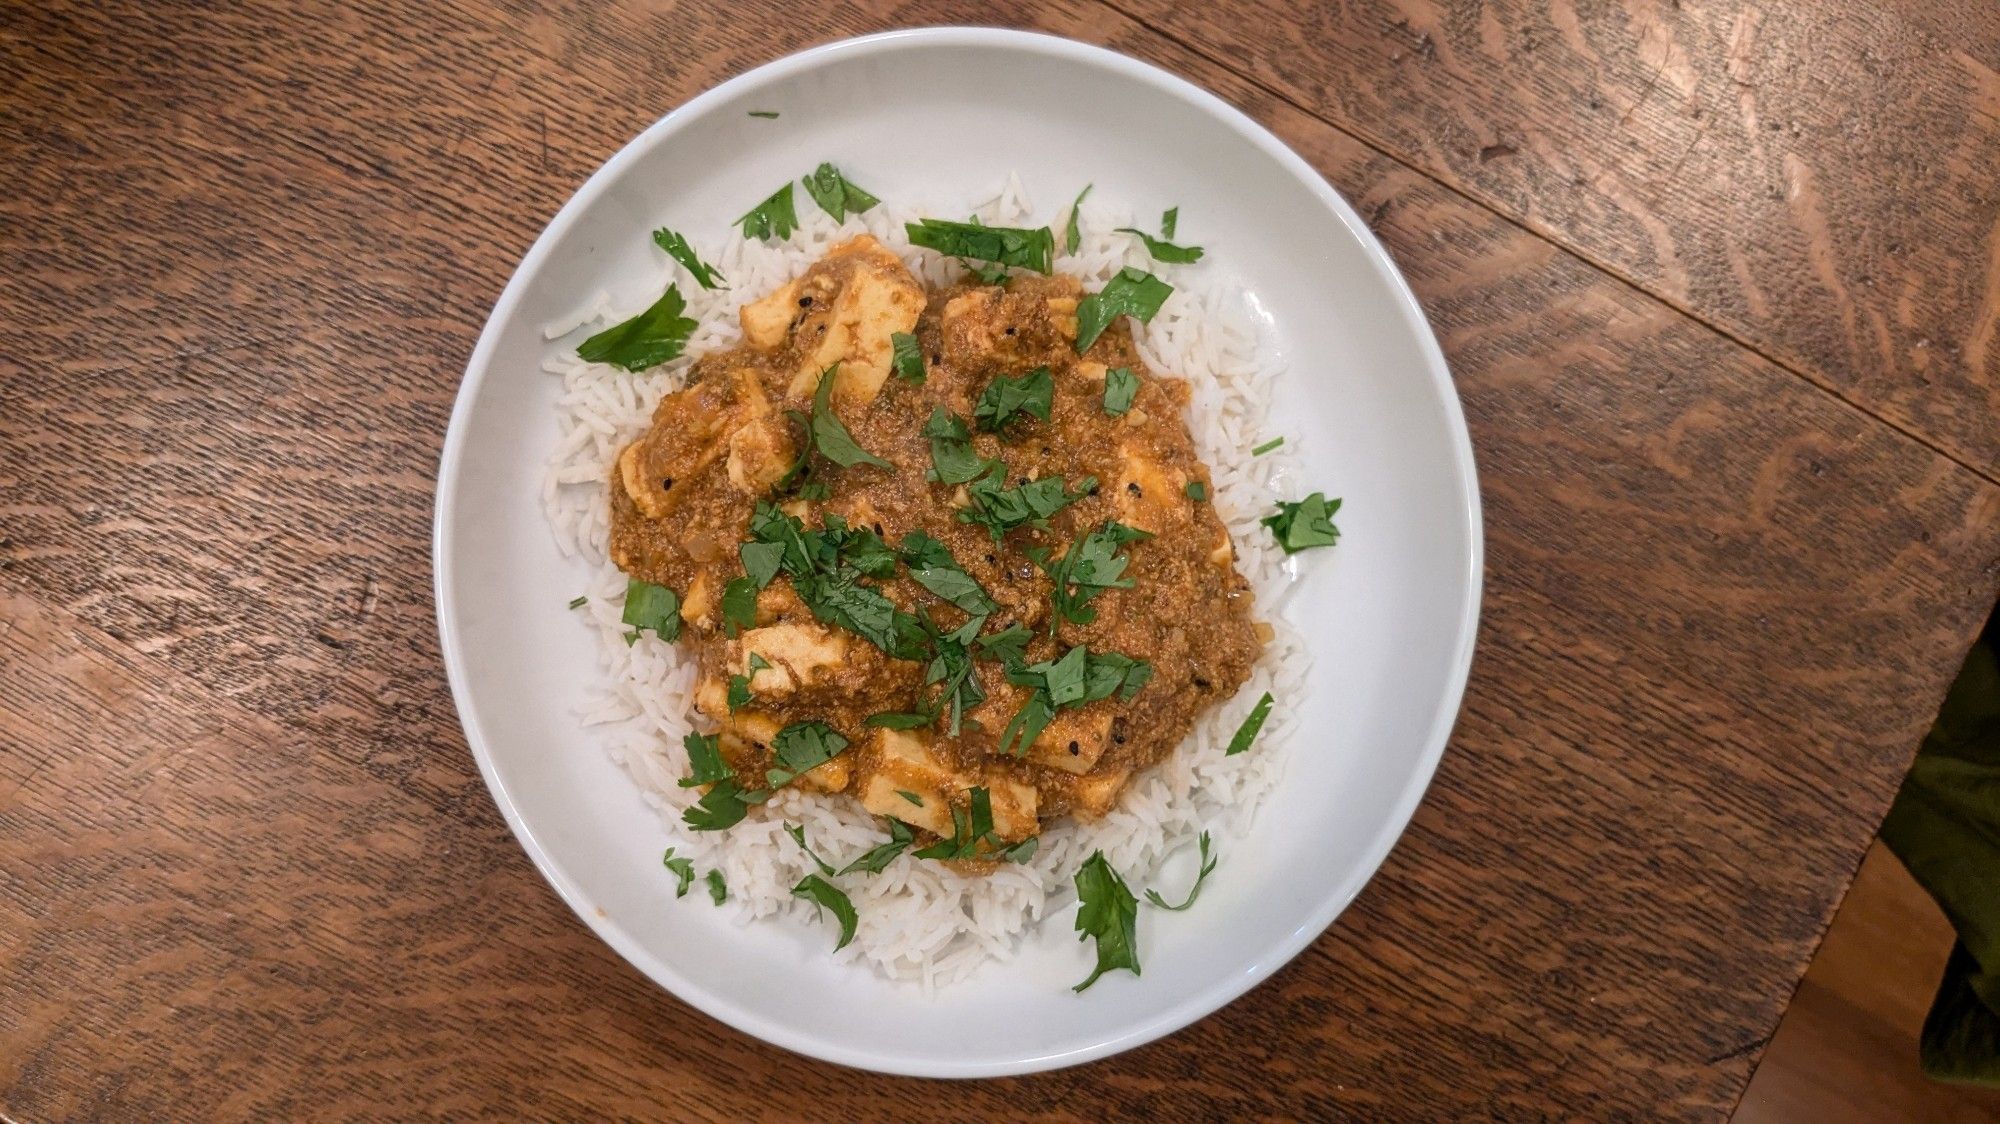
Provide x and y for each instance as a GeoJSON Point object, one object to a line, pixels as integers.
{"type": "Point", "coordinates": [1003, 245]}
{"type": "Point", "coordinates": [874, 860]}
{"type": "Point", "coordinates": [829, 436]}
{"type": "Point", "coordinates": [910, 796]}
{"type": "Point", "coordinates": [909, 357]}
{"type": "Point", "coordinates": [968, 828]}
{"type": "Point", "coordinates": [1267, 446]}
{"type": "Point", "coordinates": [705, 763]}
{"type": "Point", "coordinates": [1090, 566]}
{"type": "Point", "coordinates": [952, 458]}
{"type": "Point", "coordinates": [798, 834]}
{"type": "Point", "coordinates": [678, 249]}
{"type": "Point", "coordinates": [739, 604]}
{"type": "Point", "coordinates": [718, 890]}
{"type": "Point", "coordinates": [1162, 250]}
{"type": "Point", "coordinates": [645, 341]}
{"type": "Point", "coordinates": [1078, 677]}
{"type": "Point", "coordinates": [723, 805]}
{"type": "Point", "coordinates": [1107, 911]}
{"type": "Point", "coordinates": [1168, 221]}
{"type": "Point", "coordinates": [1072, 236]}
{"type": "Point", "coordinates": [1307, 523]}
{"type": "Point", "coordinates": [767, 114]}
{"type": "Point", "coordinates": [1010, 646]}
{"type": "Point", "coordinates": [739, 692]}
{"type": "Point", "coordinates": [1000, 509]}
{"type": "Point", "coordinates": [1008, 398]}
{"type": "Point", "coordinates": [761, 560]}
{"type": "Point", "coordinates": [652, 607]}
{"type": "Point", "coordinates": [1196, 490]}
{"type": "Point", "coordinates": [578, 602]}
{"type": "Point", "coordinates": [802, 746]}
{"type": "Point", "coordinates": [835, 194]}
{"type": "Point", "coordinates": [1133, 292]}
{"type": "Point", "coordinates": [898, 720]}
{"type": "Point", "coordinates": [932, 566]}
{"type": "Point", "coordinates": [683, 869]}
{"type": "Point", "coordinates": [1121, 385]}
{"type": "Point", "coordinates": [823, 893]}
{"type": "Point", "coordinates": [775, 217]}
{"type": "Point", "coordinates": [1247, 732]}
{"type": "Point", "coordinates": [1207, 865]}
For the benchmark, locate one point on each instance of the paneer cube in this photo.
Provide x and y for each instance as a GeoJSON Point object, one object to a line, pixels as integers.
{"type": "Point", "coordinates": [1074, 740]}
{"type": "Point", "coordinates": [876, 297]}
{"type": "Point", "coordinates": [766, 321]}
{"type": "Point", "coordinates": [1148, 493]}
{"type": "Point", "coordinates": [1093, 795]}
{"type": "Point", "coordinates": [1014, 802]}
{"type": "Point", "coordinates": [903, 763]}
{"type": "Point", "coordinates": [760, 453]}
{"type": "Point", "coordinates": [698, 607]}
{"type": "Point", "coordinates": [798, 654]}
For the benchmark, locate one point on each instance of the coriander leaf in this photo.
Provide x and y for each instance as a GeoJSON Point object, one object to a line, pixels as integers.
{"type": "Point", "coordinates": [771, 524]}
{"type": "Point", "coordinates": [1169, 221]}
{"type": "Point", "coordinates": [823, 893]}
{"type": "Point", "coordinates": [739, 604]}
{"type": "Point", "coordinates": [1000, 509]}
{"type": "Point", "coordinates": [1107, 911]}
{"type": "Point", "coordinates": [932, 566]}
{"type": "Point", "coordinates": [911, 797]}
{"type": "Point", "coordinates": [835, 195]}
{"type": "Point", "coordinates": [678, 249]}
{"type": "Point", "coordinates": [1307, 523]}
{"type": "Point", "coordinates": [866, 552]}
{"type": "Point", "coordinates": [773, 218]}
{"type": "Point", "coordinates": [1162, 250]}
{"type": "Point", "coordinates": [705, 763]}
{"type": "Point", "coordinates": [874, 860]}
{"type": "Point", "coordinates": [1133, 292]}
{"type": "Point", "coordinates": [909, 357]}
{"type": "Point", "coordinates": [1267, 446]}
{"type": "Point", "coordinates": [653, 607]}
{"type": "Point", "coordinates": [683, 869]}
{"type": "Point", "coordinates": [739, 692]}
{"type": "Point", "coordinates": [1121, 385]}
{"type": "Point", "coordinates": [1207, 865]}
{"type": "Point", "coordinates": [830, 436]}
{"type": "Point", "coordinates": [798, 834]}
{"type": "Point", "coordinates": [1072, 237]}
{"type": "Point", "coordinates": [864, 612]}
{"type": "Point", "coordinates": [898, 720]}
{"type": "Point", "coordinates": [1109, 673]}
{"type": "Point", "coordinates": [1247, 732]}
{"type": "Point", "coordinates": [758, 663]}
{"type": "Point", "coordinates": [723, 806]}
{"type": "Point", "coordinates": [578, 602]}
{"type": "Point", "coordinates": [1196, 491]}
{"type": "Point", "coordinates": [645, 341]}
{"type": "Point", "coordinates": [971, 826]}
{"type": "Point", "coordinates": [761, 560]}
{"type": "Point", "coordinates": [767, 114]}
{"type": "Point", "coordinates": [952, 458]}
{"type": "Point", "coordinates": [1091, 566]}
{"type": "Point", "coordinates": [1027, 724]}
{"type": "Point", "coordinates": [718, 890]}
{"type": "Point", "coordinates": [814, 491]}
{"type": "Point", "coordinates": [1008, 398]}
{"type": "Point", "coordinates": [1026, 249]}
{"type": "Point", "coordinates": [1010, 646]}
{"type": "Point", "coordinates": [802, 746]}
{"type": "Point", "coordinates": [1023, 851]}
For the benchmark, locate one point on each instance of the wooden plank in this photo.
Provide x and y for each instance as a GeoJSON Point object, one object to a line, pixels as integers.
{"type": "Point", "coordinates": [1721, 607]}
{"type": "Point", "coordinates": [1818, 179]}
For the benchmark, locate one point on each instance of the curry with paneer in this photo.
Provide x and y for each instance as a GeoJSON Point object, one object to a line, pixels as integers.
{"type": "Point", "coordinates": [926, 553]}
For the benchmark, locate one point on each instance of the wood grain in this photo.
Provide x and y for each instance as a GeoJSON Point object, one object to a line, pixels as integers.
{"type": "Point", "coordinates": [1818, 179]}
{"type": "Point", "coordinates": [247, 868]}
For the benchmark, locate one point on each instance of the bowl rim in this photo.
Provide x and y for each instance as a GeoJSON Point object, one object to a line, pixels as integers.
{"type": "Point", "coordinates": [1196, 1004]}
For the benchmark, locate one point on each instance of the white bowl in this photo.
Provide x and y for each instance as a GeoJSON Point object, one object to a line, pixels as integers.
{"type": "Point", "coordinates": [1389, 613]}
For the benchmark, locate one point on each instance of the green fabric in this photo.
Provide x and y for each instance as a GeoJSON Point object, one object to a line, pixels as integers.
{"type": "Point", "coordinates": [1945, 826]}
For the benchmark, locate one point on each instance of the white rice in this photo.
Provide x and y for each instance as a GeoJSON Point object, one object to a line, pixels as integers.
{"type": "Point", "coordinates": [918, 920]}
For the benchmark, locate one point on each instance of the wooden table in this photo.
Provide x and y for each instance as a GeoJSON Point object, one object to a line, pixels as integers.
{"type": "Point", "coordinates": [1720, 286]}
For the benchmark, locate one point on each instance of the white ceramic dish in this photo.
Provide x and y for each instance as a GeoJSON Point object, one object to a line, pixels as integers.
{"type": "Point", "coordinates": [1391, 612]}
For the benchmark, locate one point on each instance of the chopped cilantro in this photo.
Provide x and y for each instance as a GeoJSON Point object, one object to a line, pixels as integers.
{"type": "Point", "coordinates": [825, 894]}
{"type": "Point", "coordinates": [578, 602]}
{"type": "Point", "coordinates": [802, 746]}
{"type": "Point", "coordinates": [775, 217]}
{"type": "Point", "coordinates": [1023, 851]}
{"type": "Point", "coordinates": [814, 491]}
{"type": "Point", "coordinates": [739, 604]}
{"type": "Point", "coordinates": [932, 566]}
{"type": "Point", "coordinates": [718, 890]}
{"type": "Point", "coordinates": [739, 692]}
{"type": "Point", "coordinates": [1000, 509]}
{"type": "Point", "coordinates": [1010, 646]}
{"type": "Point", "coordinates": [1307, 523]}
{"type": "Point", "coordinates": [898, 720]}
{"type": "Point", "coordinates": [830, 436]}
{"type": "Point", "coordinates": [1133, 292]}
{"type": "Point", "coordinates": [645, 341]}
{"type": "Point", "coordinates": [875, 859]}
{"type": "Point", "coordinates": [652, 607]}
{"type": "Point", "coordinates": [1072, 237]}
{"type": "Point", "coordinates": [683, 869]}
{"type": "Point", "coordinates": [1267, 446]}
{"type": "Point", "coordinates": [835, 194]}
{"type": "Point", "coordinates": [1247, 732]}
{"type": "Point", "coordinates": [1194, 891]}
{"type": "Point", "coordinates": [909, 361]}
{"type": "Point", "coordinates": [723, 806]}
{"type": "Point", "coordinates": [1002, 245]}
{"type": "Point", "coordinates": [1006, 399]}
{"type": "Point", "coordinates": [1107, 911]}
{"type": "Point", "coordinates": [1168, 221]}
{"type": "Point", "coordinates": [1162, 250]}
{"type": "Point", "coordinates": [1196, 490]}
{"type": "Point", "coordinates": [767, 114]}
{"type": "Point", "coordinates": [971, 827]}
{"type": "Point", "coordinates": [1121, 385]}
{"type": "Point", "coordinates": [761, 561]}
{"type": "Point", "coordinates": [910, 796]}
{"type": "Point", "coordinates": [678, 249]}
{"type": "Point", "coordinates": [1092, 565]}
{"type": "Point", "coordinates": [798, 834]}
{"type": "Point", "coordinates": [705, 763]}
{"type": "Point", "coordinates": [952, 458]}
